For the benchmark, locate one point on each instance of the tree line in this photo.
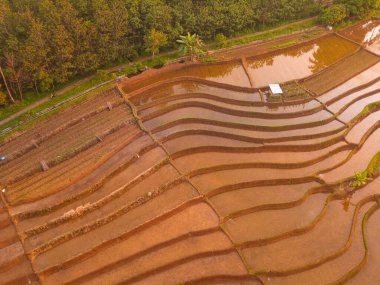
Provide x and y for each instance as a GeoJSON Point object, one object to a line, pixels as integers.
{"type": "Point", "coordinates": [342, 10]}
{"type": "Point", "coordinates": [47, 42]}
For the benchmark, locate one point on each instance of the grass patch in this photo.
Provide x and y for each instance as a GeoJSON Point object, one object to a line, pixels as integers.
{"type": "Point", "coordinates": [290, 43]}
{"type": "Point", "coordinates": [263, 36]}
{"type": "Point", "coordinates": [22, 127]}
{"type": "Point", "coordinates": [367, 110]}
{"type": "Point", "coordinates": [29, 99]}
{"type": "Point", "coordinates": [374, 166]}
{"type": "Point", "coordinates": [76, 90]}
{"type": "Point", "coordinates": [361, 178]}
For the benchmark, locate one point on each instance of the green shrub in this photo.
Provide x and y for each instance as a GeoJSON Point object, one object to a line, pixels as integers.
{"type": "Point", "coordinates": [360, 179]}
{"type": "Point", "coordinates": [334, 15]}
{"type": "Point", "coordinates": [102, 74]}
{"type": "Point", "coordinates": [221, 39]}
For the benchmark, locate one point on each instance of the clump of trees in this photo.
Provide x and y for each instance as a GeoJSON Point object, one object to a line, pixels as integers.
{"type": "Point", "coordinates": [46, 42]}
{"type": "Point", "coordinates": [341, 10]}
{"type": "Point", "coordinates": [334, 15]}
{"type": "Point", "coordinates": [154, 40]}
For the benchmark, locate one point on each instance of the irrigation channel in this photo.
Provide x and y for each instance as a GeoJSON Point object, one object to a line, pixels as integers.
{"type": "Point", "coordinates": [195, 174]}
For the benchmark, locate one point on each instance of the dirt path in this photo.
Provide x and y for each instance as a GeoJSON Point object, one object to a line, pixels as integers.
{"type": "Point", "coordinates": [113, 69]}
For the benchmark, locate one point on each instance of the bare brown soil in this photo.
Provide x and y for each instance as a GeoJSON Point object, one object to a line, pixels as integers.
{"type": "Point", "coordinates": [15, 268]}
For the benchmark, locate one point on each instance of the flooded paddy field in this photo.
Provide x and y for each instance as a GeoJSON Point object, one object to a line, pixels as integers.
{"type": "Point", "coordinates": [367, 34]}
{"type": "Point", "coordinates": [196, 177]}
{"type": "Point", "coordinates": [231, 72]}
{"type": "Point", "coordinates": [299, 62]}
{"type": "Point", "coordinates": [262, 47]}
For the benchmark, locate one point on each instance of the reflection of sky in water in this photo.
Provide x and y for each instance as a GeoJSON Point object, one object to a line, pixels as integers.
{"type": "Point", "coordinates": [299, 62]}
{"type": "Point", "coordinates": [281, 68]}
{"type": "Point", "coordinates": [371, 38]}
{"type": "Point", "coordinates": [229, 73]}
{"type": "Point", "coordinates": [288, 59]}
{"type": "Point", "coordinates": [372, 35]}
{"type": "Point", "coordinates": [367, 34]}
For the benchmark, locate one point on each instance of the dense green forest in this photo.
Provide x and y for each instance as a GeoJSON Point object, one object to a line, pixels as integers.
{"type": "Point", "coordinates": [47, 42]}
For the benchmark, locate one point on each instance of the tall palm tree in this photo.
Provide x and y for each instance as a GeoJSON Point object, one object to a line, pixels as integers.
{"type": "Point", "coordinates": [191, 45]}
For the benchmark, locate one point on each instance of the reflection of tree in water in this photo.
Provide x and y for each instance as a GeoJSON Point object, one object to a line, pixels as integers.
{"type": "Point", "coordinates": [297, 52]}
{"type": "Point", "coordinates": [269, 61]}
{"type": "Point", "coordinates": [190, 87]}
{"type": "Point", "coordinates": [367, 33]}
{"type": "Point", "coordinates": [318, 61]}
{"type": "Point", "coordinates": [328, 52]}
{"type": "Point", "coordinates": [215, 70]}
{"type": "Point", "coordinates": [258, 63]}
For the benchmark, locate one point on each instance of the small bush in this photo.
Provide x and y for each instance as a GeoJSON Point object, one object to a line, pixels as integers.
{"type": "Point", "coordinates": [360, 179]}
{"type": "Point", "coordinates": [102, 74]}
{"type": "Point", "coordinates": [221, 39]}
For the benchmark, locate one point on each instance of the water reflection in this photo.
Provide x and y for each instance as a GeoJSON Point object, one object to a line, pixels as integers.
{"type": "Point", "coordinates": [367, 34]}
{"type": "Point", "coordinates": [230, 73]}
{"type": "Point", "coordinates": [299, 62]}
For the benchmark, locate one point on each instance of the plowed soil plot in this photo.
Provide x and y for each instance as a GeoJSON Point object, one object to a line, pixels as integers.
{"type": "Point", "coordinates": [204, 182]}
{"type": "Point", "coordinates": [15, 268]}
{"type": "Point", "coordinates": [61, 120]}
{"type": "Point", "coordinates": [367, 34]}
{"type": "Point", "coordinates": [298, 62]}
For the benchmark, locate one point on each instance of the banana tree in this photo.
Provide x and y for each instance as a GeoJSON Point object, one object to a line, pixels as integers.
{"type": "Point", "coordinates": [191, 45]}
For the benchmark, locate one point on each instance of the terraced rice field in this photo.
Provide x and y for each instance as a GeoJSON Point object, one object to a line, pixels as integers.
{"type": "Point", "coordinates": [192, 180]}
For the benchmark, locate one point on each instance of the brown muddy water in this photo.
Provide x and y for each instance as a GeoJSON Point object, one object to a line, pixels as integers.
{"type": "Point", "coordinates": [367, 34]}
{"type": "Point", "coordinates": [226, 72]}
{"type": "Point", "coordinates": [299, 62]}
